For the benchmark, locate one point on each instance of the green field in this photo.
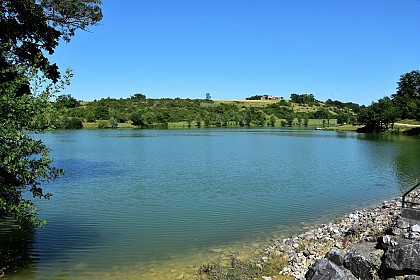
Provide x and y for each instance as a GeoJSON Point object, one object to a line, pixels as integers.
{"type": "Point", "coordinates": [181, 125]}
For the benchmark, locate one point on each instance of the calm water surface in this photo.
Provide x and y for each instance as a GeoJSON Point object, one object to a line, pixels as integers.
{"type": "Point", "coordinates": [149, 204]}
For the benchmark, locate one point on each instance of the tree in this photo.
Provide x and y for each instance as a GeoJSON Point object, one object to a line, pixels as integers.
{"type": "Point", "coordinates": [189, 119]}
{"type": "Point", "coordinates": [254, 97]}
{"type": "Point", "coordinates": [379, 115]}
{"type": "Point", "coordinates": [113, 123]}
{"type": "Point", "coordinates": [290, 118]}
{"type": "Point", "coordinates": [101, 112]}
{"type": "Point", "coordinates": [387, 112]}
{"type": "Point", "coordinates": [261, 120]}
{"type": "Point", "coordinates": [138, 119]}
{"type": "Point", "coordinates": [296, 98]}
{"type": "Point", "coordinates": [69, 123]}
{"type": "Point", "coordinates": [225, 119]}
{"type": "Point", "coordinates": [206, 120]}
{"type": "Point", "coordinates": [272, 120]}
{"type": "Point", "coordinates": [198, 120]}
{"type": "Point", "coordinates": [240, 120]}
{"type": "Point", "coordinates": [305, 119]}
{"type": "Point", "coordinates": [321, 114]}
{"type": "Point", "coordinates": [303, 98]}
{"type": "Point", "coordinates": [208, 96]}
{"type": "Point", "coordinates": [407, 97]}
{"type": "Point", "coordinates": [218, 122]}
{"type": "Point", "coordinates": [405, 103]}
{"type": "Point", "coordinates": [409, 84]}
{"type": "Point", "coordinates": [248, 117]}
{"type": "Point", "coordinates": [342, 118]}
{"type": "Point", "coordinates": [30, 30]}
{"type": "Point", "coordinates": [138, 96]}
{"type": "Point", "coordinates": [66, 101]}
{"type": "Point", "coordinates": [299, 119]}
{"type": "Point", "coordinates": [24, 162]}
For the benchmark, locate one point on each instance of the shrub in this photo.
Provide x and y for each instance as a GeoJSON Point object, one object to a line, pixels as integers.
{"type": "Point", "coordinates": [103, 124]}
{"type": "Point", "coordinates": [113, 123]}
{"type": "Point", "coordinates": [70, 123]}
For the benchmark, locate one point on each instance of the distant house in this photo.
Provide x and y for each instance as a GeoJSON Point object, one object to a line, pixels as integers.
{"type": "Point", "coordinates": [269, 97]}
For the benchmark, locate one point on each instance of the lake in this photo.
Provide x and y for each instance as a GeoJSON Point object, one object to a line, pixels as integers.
{"type": "Point", "coordinates": [156, 204]}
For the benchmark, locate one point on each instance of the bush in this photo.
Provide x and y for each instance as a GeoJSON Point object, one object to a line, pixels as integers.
{"type": "Point", "coordinates": [90, 117]}
{"type": "Point", "coordinates": [113, 123]}
{"type": "Point", "coordinates": [138, 119]}
{"type": "Point", "coordinates": [103, 124]}
{"type": "Point", "coordinates": [70, 123]}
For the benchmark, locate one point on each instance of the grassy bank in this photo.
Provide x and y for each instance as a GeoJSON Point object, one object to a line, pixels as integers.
{"type": "Point", "coordinates": [312, 123]}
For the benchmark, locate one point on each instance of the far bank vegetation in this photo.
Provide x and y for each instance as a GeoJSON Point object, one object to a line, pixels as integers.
{"type": "Point", "coordinates": [141, 112]}
{"type": "Point", "coordinates": [301, 110]}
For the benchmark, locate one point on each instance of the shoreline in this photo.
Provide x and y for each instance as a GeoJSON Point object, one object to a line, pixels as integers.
{"type": "Point", "coordinates": [364, 225]}
{"type": "Point", "coordinates": [302, 250]}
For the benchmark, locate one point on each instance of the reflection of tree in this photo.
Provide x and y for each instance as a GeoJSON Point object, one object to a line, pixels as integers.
{"type": "Point", "coordinates": [401, 153]}
{"type": "Point", "coordinates": [407, 165]}
{"type": "Point", "coordinates": [16, 246]}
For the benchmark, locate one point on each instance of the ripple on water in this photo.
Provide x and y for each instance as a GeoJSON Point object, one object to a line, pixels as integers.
{"type": "Point", "coordinates": [157, 204]}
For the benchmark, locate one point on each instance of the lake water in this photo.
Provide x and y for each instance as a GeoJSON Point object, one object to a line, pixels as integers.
{"type": "Point", "coordinates": [156, 204]}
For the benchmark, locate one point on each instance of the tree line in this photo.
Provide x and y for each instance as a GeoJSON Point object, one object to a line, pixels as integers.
{"type": "Point", "coordinates": [404, 104]}
{"type": "Point", "coordinates": [144, 112]}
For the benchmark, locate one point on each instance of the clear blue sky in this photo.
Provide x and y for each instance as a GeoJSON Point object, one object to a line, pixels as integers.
{"type": "Point", "coordinates": [339, 49]}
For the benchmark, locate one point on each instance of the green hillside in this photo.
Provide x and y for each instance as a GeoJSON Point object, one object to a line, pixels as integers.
{"type": "Point", "coordinates": [139, 111]}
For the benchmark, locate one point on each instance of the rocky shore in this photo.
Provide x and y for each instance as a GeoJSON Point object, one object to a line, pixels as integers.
{"type": "Point", "coordinates": [373, 243]}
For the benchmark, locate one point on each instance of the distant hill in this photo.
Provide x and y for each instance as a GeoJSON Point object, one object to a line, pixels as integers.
{"type": "Point", "coordinates": [139, 111]}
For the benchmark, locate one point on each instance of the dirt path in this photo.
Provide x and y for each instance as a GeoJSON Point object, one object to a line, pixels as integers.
{"type": "Point", "coordinates": [410, 125]}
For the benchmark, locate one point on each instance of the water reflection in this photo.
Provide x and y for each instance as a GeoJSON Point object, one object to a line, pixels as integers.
{"type": "Point", "coordinates": [141, 198]}
{"type": "Point", "coordinates": [16, 248]}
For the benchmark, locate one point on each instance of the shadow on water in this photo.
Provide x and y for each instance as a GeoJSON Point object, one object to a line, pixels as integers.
{"type": "Point", "coordinates": [78, 169]}
{"type": "Point", "coordinates": [16, 246]}
{"type": "Point", "coordinates": [414, 131]}
{"type": "Point", "coordinates": [25, 250]}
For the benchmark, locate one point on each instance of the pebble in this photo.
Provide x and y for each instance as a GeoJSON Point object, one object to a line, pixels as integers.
{"type": "Point", "coordinates": [415, 228]}
{"type": "Point", "coordinates": [303, 250]}
{"type": "Point", "coordinates": [402, 224]}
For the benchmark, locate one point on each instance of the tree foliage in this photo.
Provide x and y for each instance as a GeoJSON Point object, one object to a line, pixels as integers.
{"type": "Point", "coordinates": [404, 104]}
{"type": "Point", "coordinates": [30, 30]}
{"type": "Point", "coordinates": [303, 99]}
{"type": "Point", "coordinates": [138, 96]}
{"type": "Point", "coordinates": [149, 113]}
{"type": "Point", "coordinates": [379, 115]}
{"type": "Point", "coordinates": [254, 97]}
{"type": "Point", "coordinates": [66, 101]}
{"type": "Point", "coordinates": [24, 163]}
{"type": "Point", "coordinates": [208, 96]}
{"type": "Point", "coordinates": [407, 97]}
